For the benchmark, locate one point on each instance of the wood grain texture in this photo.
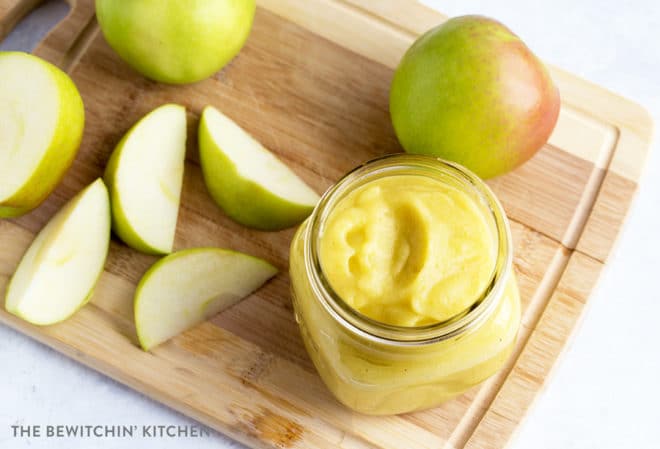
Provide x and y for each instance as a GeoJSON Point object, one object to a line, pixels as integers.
{"type": "Point", "coordinates": [312, 84]}
{"type": "Point", "coordinates": [12, 11]}
{"type": "Point", "coordinates": [546, 342]}
{"type": "Point", "coordinates": [5, 7]}
{"type": "Point", "coordinates": [607, 217]}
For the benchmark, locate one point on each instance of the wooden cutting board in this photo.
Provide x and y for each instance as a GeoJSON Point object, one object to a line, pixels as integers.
{"type": "Point", "coordinates": [312, 84]}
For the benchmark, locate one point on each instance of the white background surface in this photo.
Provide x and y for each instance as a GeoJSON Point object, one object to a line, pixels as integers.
{"type": "Point", "coordinates": [605, 394]}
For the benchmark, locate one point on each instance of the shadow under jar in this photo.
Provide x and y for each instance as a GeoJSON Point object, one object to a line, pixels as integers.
{"type": "Point", "coordinates": [384, 334]}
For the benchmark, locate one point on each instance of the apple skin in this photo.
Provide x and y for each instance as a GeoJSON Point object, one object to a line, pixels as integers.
{"type": "Point", "coordinates": [121, 224]}
{"type": "Point", "coordinates": [212, 306]}
{"type": "Point", "coordinates": [62, 149]}
{"type": "Point", "coordinates": [470, 91]}
{"type": "Point", "coordinates": [52, 226]}
{"type": "Point", "coordinates": [244, 201]}
{"type": "Point", "coordinates": [174, 41]}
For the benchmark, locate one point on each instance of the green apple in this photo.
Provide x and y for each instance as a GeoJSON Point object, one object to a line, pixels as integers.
{"type": "Point", "coordinates": [190, 286]}
{"type": "Point", "coordinates": [472, 92]}
{"type": "Point", "coordinates": [41, 124]}
{"type": "Point", "coordinates": [58, 272]}
{"type": "Point", "coordinates": [176, 41]}
{"type": "Point", "coordinates": [248, 181]}
{"type": "Point", "coordinates": [145, 176]}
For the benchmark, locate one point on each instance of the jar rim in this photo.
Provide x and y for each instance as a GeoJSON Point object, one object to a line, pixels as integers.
{"type": "Point", "coordinates": [384, 333]}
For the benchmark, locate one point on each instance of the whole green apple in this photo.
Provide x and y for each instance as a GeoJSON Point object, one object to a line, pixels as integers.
{"type": "Point", "coordinates": [175, 41]}
{"type": "Point", "coordinates": [470, 91]}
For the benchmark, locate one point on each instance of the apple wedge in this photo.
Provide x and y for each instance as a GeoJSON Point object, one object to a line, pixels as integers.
{"type": "Point", "coordinates": [145, 176]}
{"type": "Point", "coordinates": [189, 286]}
{"type": "Point", "coordinates": [246, 180]}
{"type": "Point", "coordinates": [59, 270]}
{"type": "Point", "coordinates": [41, 124]}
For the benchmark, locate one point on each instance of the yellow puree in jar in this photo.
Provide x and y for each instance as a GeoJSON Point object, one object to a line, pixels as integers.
{"type": "Point", "coordinates": [408, 250]}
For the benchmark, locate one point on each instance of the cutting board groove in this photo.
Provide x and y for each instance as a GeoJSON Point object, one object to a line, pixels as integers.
{"type": "Point", "coordinates": [312, 84]}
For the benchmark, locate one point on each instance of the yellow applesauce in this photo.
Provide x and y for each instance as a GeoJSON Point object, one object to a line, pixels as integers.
{"type": "Point", "coordinates": [403, 286]}
{"type": "Point", "coordinates": [408, 250]}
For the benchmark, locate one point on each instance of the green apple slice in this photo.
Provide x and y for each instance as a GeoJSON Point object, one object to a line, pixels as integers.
{"type": "Point", "coordinates": [145, 176]}
{"type": "Point", "coordinates": [247, 181]}
{"type": "Point", "coordinates": [41, 125]}
{"type": "Point", "coordinates": [59, 271]}
{"type": "Point", "coordinates": [189, 286]}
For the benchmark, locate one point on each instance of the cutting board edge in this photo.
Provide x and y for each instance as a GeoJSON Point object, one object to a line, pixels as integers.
{"type": "Point", "coordinates": [640, 135]}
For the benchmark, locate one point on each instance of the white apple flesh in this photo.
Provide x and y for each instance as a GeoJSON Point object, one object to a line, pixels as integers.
{"type": "Point", "coordinates": [246, 180]}
{"type": "Point", "coordinates": [41, 125]}
{"type": "Point", "coordinates": [59, 270]}
{"type": "Point", "coordinates": [145, 176]}
{"type": "Point", "coordinates": [190, 286]}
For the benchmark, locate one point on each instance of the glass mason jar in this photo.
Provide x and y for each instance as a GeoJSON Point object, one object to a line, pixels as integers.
{"type": "Point", "coordinates": [381, 369]}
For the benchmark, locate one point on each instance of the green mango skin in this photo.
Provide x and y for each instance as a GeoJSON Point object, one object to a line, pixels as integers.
{"type": "Point", "coordinates": [470, 91]}
{"type": "Point", "coordinates": [174, 41]}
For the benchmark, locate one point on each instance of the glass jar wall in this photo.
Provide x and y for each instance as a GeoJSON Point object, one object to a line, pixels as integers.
{"type": "Point", "coordinates": [378, 367]}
